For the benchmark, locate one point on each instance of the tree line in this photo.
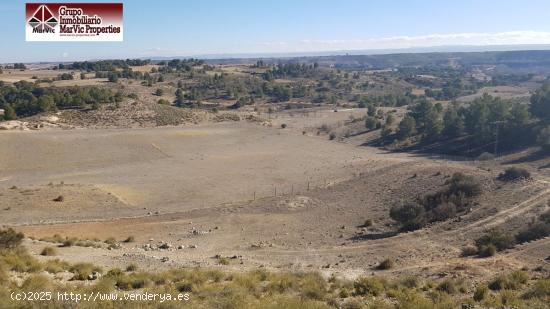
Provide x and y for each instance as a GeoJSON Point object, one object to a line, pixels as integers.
{"type": "Point", "coordinates": [487, 123]}
{"type": "Point", "coordinates": [23, 99]}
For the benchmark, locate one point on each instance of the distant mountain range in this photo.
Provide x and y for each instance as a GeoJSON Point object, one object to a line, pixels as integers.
{"type": "Point", "coordinates": [501, 58]}
{"type": "Point", "coordinates": [433, 49]}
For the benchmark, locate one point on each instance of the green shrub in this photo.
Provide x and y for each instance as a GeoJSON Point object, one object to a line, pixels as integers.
{"type": "Point", "coordinates": [480, 293]}
{"type": "Point", "coordinates": [410, 282]}
{"type": "Point", "coordinates": [368, 286]}
{"type": "Point", "coordinates": [508, 298]}
{"type": "Point", "coordinates": [184, 287]}
{"type": "Point", "coordinates": [371, 123]}
{"type": "Point", "coordinates": [541, 289]}
{"type": "Point", "coordinates": [497, 238]}
{"type": "Point", "coordinates": [511, 281]}
{"type": "Point", "coordinates": [460, 183]}
{"type": "Point", "coordinates": [10, 239]}
{"type": "Point", "coordinates": [313, 286]}
{"type": "Point", "coordinates": [412, 216]}
{"type": "Point", "coordinates": [223, 261]}
{"type": "Point", "coordinates": [487, 250]}
{"type": "Point", "coordinates": [448, 286]}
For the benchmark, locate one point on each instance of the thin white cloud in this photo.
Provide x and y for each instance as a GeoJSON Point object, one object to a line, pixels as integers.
{"type": "Point", "coordinates": [395, 42]}
{"type": "Point", "coordinates": [431, 40]}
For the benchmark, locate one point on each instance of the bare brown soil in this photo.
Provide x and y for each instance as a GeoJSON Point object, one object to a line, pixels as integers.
{"type": "Point", "coordinates": [262, 196]}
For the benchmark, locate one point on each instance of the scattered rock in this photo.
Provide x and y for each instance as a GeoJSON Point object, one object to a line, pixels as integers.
{"type": "Point", "coordinates": [94, 276]}
{"type": "Point", "coordinates": [165, 246]}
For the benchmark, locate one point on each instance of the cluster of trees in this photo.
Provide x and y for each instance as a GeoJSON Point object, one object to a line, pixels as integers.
{"type": "Point", "coordinates": [26, 99]}
{"type": "Point", "coordinates": [442, 205]}
{"type": "Point", "coordinates": [103, 65]}
{"type": "Point", "coordinates": [390, 99]}
{"type": "Point", "coordinates": [242, 101]}
{"type": "Point", "coordinates": [283, 70]}
{"type": "Point", "coordinates": [482, 122]}
{"type": "Point", "coordinates": [18, 66]}
{"type": "Point", "coordinates": [180, 65]}
{"type": "Point", "coordinates": [65, 76]}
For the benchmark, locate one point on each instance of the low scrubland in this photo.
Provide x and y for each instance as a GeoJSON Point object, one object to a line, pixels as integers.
{"type": "Point", "coordinates": [213, 288]}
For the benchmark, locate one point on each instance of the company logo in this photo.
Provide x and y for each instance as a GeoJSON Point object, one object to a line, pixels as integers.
{"type": "Point", "coordinates": [73, 22]}
{"type": "Point", "coordinates": [43, 20]}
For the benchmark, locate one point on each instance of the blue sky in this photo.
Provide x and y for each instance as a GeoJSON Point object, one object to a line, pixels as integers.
{"type": "Point", "coordinates": [186, 28]}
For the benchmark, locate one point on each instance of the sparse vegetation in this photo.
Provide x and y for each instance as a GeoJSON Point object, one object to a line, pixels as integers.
{"type": "Point", "coordinates": [514, 173]}
{"type": "Point", "coordinates": [442, 205]}
{"type": "Point", "coordinates": [536, 230]}
{"type": "Point", "coordinates": [10, 239]}
{"type": "Point", "coordinates": [353, 182]}
{"type": "Point", "coordinates": [494, 240]}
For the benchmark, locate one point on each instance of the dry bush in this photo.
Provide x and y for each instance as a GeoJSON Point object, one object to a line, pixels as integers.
{"type": "Point", "coordinates": [131, 267]}
{"type": "Point", "coordinates": [534, 232]}
{"type": "Point", "coordinates": [541, 289]}
{"type": "Point", "coordinates": [81, 271]}
{"type": "Point", "coordinates": [514, 173]}
{"type": "Point", "coordinates": [448, 286]}
{"type": "Point", "coordinates": [68, 242]}
{"type": "Point", "coordinates": [56, 266]}
{"type": "Point", "coordinates": [512, 281]}
{"type": "Point", "coordinates": [469, 251]}
{"type": "Point", "coordinates": [480, 293]}
{"type": "Point", "coordinates": [369, 286]}
{"type": "Point", "coordinates": [494, 238]}
{"type": "Point", "coordinates": [48, 251]}
{"type": "Point", "coordinates": [19, 260]}
{"type": "Point", "coordinates": [386, 264]}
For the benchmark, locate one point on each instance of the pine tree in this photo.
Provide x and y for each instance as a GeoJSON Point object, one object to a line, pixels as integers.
{"type": "Point", "coordinates": [407, 128]}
